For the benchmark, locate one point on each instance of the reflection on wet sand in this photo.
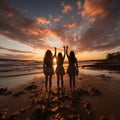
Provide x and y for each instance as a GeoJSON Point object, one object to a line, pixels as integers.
{"type": "Point", "coordinates": [62, 104]}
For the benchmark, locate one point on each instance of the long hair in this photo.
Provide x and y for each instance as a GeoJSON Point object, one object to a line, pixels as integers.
{"type": "Point", "coordinates": [72, 57]}
{"type": "Point", "coordinates": [48, 57]}
{"type": "Point", "coordinates": [59, 60]}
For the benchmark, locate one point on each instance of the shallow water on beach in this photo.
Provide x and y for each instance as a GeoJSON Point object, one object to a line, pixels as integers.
{"type": "Point", "coordinates": [95, 72]}
{"type": "Point", "coordinates": [14, 72]}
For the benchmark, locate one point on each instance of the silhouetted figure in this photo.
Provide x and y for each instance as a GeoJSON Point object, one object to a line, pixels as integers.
{"type": "Point", "coordinates": [60, 69]}
{"type": "Point", "coordinates": [72, 69]}
{"type": "Point", "coordinates": [48, 68]}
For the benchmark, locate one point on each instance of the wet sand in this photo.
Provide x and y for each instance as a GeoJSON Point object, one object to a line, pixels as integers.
{"type": "Point", "coordinates": [105, 65]}
{"type": "Point", "coordinates": [94, 98]}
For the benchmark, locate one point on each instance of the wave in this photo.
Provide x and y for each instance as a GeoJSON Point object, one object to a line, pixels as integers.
{"type": "Point", "coordinates": [20, 74]}
{"type": "Point", "coordinates": [10, 67]}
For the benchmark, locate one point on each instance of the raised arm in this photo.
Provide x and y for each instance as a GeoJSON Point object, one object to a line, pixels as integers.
{"type": "Point", "coordinates": [55, 52]}
{"type": "Point", "coordinates": [64, 53]}
{"type": "Point", "coordinates": [67, 51]}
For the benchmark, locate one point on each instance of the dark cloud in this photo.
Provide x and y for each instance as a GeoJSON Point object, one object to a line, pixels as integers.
{"type": "Point", "coordinates": [104, 32]}
{"type": "Point", "coordinates": [13, 50]}
{"type": "Point", "coordinates": [98, 27]}
{"type": "Point", "coordinates": [17, 27]}
{"type": "Point", "coordinates": [16, 56]}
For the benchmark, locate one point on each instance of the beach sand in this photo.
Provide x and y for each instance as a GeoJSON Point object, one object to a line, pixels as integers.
{"type": "Point", "coordinates": [94, 98]}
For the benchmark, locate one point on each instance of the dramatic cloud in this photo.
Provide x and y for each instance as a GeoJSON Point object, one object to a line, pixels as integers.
{"type": "Point", "coordinates": [18, 28]}
{"type": "Point", "coordinates": [66, 8]}
{"type": "Point", "coordinates": [17, 56]}
{"type": "Point", "coordinates": [97, 27]}
{"type": "Point", "coordinates": [13, 50]}
{"type": "Point", "coordinates": [95, 8]}
{"type": "Point", "coordinates": [42, 20]}
{"type": "Point", "coordinates": [104, 33]}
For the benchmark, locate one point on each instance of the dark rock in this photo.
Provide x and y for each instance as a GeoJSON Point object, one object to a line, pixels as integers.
{"type": "Point", "coordinates": [18, 93]}
{"type": "Point", "coordinates": [3, 91]}
{"type": "Point", "coordinates": [8, 93]}
{"type": "Point", "coordinates": [14, 116]}
{"type": "Point", "coordinates": [82, 92]}
{"type": "Point", "coordinates": [39, 113]}
{"type": "Point", "coordinates": [94, 92]}
{"type": "Point", "coordinates": [31, 87]}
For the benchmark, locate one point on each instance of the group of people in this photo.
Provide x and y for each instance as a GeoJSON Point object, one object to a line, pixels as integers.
{"type": "Point", "coordinates": [48, 69]}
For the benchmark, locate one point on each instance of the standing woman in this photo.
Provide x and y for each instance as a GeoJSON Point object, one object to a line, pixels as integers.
{"type": "Point", "coordinates": [72, 68]}
{"type": "Point", "coordinates": [60, 69]}
{"type": "Point", "coordinates": [48, 68]}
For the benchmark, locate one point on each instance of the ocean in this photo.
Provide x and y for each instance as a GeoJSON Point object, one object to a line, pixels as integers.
{"type": "Point", "coordinates": [14, 72]}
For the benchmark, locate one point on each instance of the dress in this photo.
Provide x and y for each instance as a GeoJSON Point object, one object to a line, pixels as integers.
{"type": "Point", "coordinates": [48, 70]}
{"type": "Point", "coordinates": [60, 69]}
{"type": "Point", "coordinates": [72, 69]}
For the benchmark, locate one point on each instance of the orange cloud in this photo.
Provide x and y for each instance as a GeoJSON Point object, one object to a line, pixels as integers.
{"type": "Point", "coordinates": [33, 32]}
{"type": "Point", "coordinates": [42, 20]}
{"type": "Point", "coordinates": [71, 25]}
{"type": "Point", "coordinates": [95, 8]}
{"type": "Point", "coordinates": [66, 8]}
{"type": "Point", "coordinates": [50, 32]}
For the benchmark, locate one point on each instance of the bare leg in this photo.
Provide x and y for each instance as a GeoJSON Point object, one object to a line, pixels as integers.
{"type": "Point", "coordinates": [50, 84]}
{"type": "Point", "coordinates": [46, 82]}
{"type": "Point", "coordinates": [58, 79]}
{"type": "Point", "coordinates": [73, 82]}
{"type": "Point", "coordinates": [62, 81]}
{"type": "Point", "coordinates": [70, 77]}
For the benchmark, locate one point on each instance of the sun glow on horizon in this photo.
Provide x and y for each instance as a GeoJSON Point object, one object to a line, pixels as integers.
{"type": "Point", "coordinates": [55, 61]}
{"type": "Point", "coordinates": [26, 52]}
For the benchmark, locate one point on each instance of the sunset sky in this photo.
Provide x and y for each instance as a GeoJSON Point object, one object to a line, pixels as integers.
{"type": "Point", "coordinates": [29, 27]}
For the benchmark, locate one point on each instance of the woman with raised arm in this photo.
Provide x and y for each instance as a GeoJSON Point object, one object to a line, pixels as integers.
{"type": "Point", "coordinates": [72, 69]}
{"type": "Point", "coordinates": [60, 69]}
{"type": "Point", "coordinates": [48, 68]}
